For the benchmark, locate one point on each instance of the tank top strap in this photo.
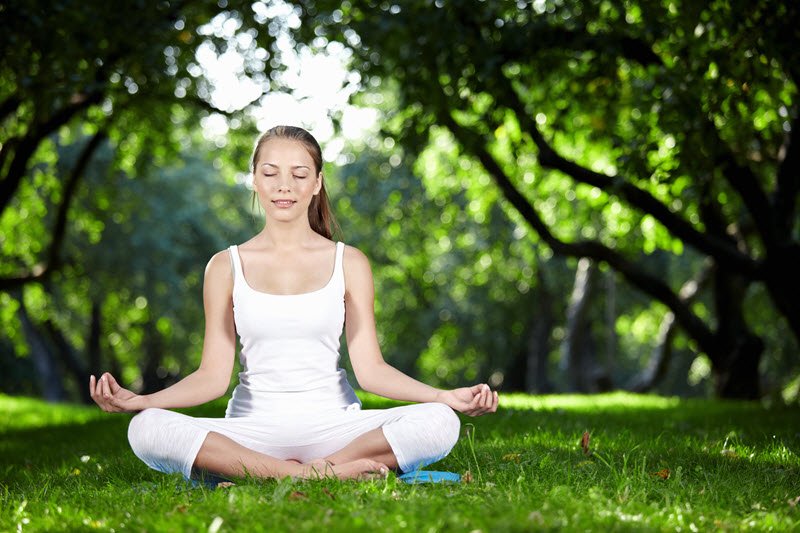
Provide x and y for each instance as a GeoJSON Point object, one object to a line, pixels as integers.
{"type": "Point", "coordinates": [236, 263]}
{"type": "Point", "coordinates": [338, 270]}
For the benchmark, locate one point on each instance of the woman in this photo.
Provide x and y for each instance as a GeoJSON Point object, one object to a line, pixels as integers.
{"type": "Point", "coordinates": [287, 293]}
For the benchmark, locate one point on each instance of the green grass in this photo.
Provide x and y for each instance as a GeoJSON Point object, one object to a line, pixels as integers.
{"type": "Point", "coordinates": [731, 466]}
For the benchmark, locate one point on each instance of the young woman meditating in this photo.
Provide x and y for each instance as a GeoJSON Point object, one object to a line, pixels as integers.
{"type": "Point", "coordinates": [288, 292]}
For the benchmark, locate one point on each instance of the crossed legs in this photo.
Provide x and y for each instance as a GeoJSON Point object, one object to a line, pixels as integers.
{"type": "Point", "coordinates": [419, 434]}
{"type": "Point", "coordinates": [368, 454]}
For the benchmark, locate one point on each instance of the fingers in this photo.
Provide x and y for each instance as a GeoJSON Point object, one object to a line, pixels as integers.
{"type": "Point", "coordinates": [484, 401]}
{"type": "Point", "coordinates": [101, 392]}
{"type": "Point", "coordinates": [96, 392]}
{"type": "Point", "coordinates": [99, 389]}
{"type": "Point", "coordinates": [106, 388]}
{"type": "Point", "coordinates": [476, 389]}
{"type": "Point", "coordinates": [118, 405]}
{"type": "Point", "coordinates": [487, 398]}
{"type": "Point", "coordinates": [112, 383]}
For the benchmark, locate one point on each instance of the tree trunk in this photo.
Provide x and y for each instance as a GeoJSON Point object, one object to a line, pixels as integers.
{"type": "Point", "coordinates": [93, 352]}
{"type": "Point", "coordinates": [736, 376]}
{"type": "Point", "coordinates": [662, 354]}
{"type": "Point", "coordinates": [538, 352]}
{"type": "Point", "coordinates": [528, 371]}
{"type": "Point", "coordinates": [153, 347]}
{"type": "Point", "coordinates": [737, 351]}
{"type": "Point", "coordinates": [783, 284]}
{"type": "Point", "coordinates": [576, 347]}
{"type": "Point", "coordinates": [538, 342]}
{"type": "Point", "coordinates": [70, 360]}
{"type": "Point", "coordinates": [611, 321]}
{"type": "Point", "coordinates": [51, 386]}
{"type": "Point", "coordinates": [659, 362]}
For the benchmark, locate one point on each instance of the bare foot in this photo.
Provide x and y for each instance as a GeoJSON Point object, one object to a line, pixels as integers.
{"type": "Point", "coordinates": [225, 484]}
{"type": "Point", "coordinates": [358, 469]}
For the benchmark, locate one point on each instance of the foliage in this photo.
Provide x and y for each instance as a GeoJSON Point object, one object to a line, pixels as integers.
{"type": "Point", "coordinates": [613, 129]}
{"type": "Point", "coordinates": [653, 463]}
{"type": "Point", "coordinates": [100, 113]}
{"type": "Point", "coordinates": [110, 200]}
{"type": "Point", "coordinates": [132, 75]}
{"type": "Point", "coordinates": [137, 251]}
{"type": "Point", "coordinates": [454, 299]}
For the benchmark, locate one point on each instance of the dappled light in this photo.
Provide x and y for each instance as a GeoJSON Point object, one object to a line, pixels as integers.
{"type": "Point", "coordinates": [555, 197]}
{"type": "Point", "coordinates": [577, 403]}
{"type": "Point", "coordinates": [575, 461]}
{"type": "Point", "coordinates": [590, 206]}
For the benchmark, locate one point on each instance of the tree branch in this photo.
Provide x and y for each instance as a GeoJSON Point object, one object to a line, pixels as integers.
{"type": "Point", "coordinates": [648, 283]}
{"type": "Point", "coordinates": [28, 144]}
{"type": "Point", "coordinates": [9, 105]}
{"type": "Point", "coordinates": [40, 273]}
{"type": "Point", "coordinates": [525, 39]}
{"type": "Point", "coordinates": [745, 183]}
{"type": "Point", "coordinates": [619, 186]}
{"type": "Point", "coordinates": [740, 177]}
{"type": "Point", "coordinates": [659, 363]}
{"type": "Point", "coordinates": [786, 190]}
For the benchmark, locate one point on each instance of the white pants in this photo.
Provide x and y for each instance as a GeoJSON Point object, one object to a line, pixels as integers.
{"type": "Point", "coordinates": [418, 434]}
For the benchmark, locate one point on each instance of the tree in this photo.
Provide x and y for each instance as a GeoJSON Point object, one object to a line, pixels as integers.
{"type": "Point", "coordinates": [128, 295]}
{"type": "Point", "coordinates": [125, 71]}
{"type": "Point", "coordinates": [679, 121]}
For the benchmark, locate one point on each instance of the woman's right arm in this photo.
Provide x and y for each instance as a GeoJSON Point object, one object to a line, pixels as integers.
{"type": "Point", "coordinates": [211, 379]}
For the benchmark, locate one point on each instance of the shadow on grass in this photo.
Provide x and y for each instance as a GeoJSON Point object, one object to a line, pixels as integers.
{"type": "Point", "coordinates": [733, 438]}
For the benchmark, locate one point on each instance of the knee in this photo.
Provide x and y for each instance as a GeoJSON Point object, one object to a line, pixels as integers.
{"type": "Point", "coordinates": [446, 422]}
{"type": "Point", "coordinates": [143, 430]}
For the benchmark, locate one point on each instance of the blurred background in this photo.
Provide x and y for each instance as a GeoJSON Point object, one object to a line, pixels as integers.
{"type": "Point", "coordinates": [556, 196]}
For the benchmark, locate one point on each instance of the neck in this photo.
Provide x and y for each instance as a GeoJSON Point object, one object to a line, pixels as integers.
{"type": "Point", "coordinates": [288, 235]}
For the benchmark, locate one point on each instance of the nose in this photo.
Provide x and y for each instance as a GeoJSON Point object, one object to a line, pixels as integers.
{"type": "Point", "coordinates": [284, 183]}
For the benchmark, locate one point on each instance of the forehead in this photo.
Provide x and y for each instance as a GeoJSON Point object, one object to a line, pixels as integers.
{"type": "Point", "coordinates": [284, 151]}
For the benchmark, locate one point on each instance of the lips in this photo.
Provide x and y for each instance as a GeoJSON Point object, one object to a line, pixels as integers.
{"type": "Point", "coordinates": [283, 203]}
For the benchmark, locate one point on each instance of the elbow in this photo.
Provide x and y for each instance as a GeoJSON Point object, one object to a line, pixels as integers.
{"type": "Point", "coordinates": [214, 383]}
{"type": "Point", "coordinates": [218, 394]}
{"type": "Point", "coordinates": [220, 390]}
{"type": "Point", "coordinates": [368, 379]}
{"type": "Point", "coordinates": [365, 384]}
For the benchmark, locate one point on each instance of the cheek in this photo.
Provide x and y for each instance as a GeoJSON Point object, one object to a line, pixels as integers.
{"type": "Point", "coordinates": [260, 183]}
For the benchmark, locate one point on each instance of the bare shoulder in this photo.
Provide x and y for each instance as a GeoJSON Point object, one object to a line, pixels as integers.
{"type": "Point", "coordinates": [357, 271]}
{"type": "Point", "coordinates": [218, 270]}
{"type": "Point", "coordinates": [355, 260]}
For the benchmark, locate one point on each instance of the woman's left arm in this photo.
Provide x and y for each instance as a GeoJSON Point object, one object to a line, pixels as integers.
{"type": "Point", "coordinates": [372, 372]}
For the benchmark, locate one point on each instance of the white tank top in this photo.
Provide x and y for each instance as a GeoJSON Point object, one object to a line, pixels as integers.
{"type": "Point", "coordinates": [290, 348]}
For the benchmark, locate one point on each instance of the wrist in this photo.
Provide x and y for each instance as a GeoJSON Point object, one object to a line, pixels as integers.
{"type": "Point", "coordinates": [145, 401]}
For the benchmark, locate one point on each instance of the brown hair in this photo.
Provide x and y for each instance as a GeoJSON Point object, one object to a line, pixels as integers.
{"type": "Point", "coordinates": [320, 214]}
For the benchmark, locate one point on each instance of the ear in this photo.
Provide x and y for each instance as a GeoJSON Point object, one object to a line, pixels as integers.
{"type": "Point", "coordinates": [319, 184]}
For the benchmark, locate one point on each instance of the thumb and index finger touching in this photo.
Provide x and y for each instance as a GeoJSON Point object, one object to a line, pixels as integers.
{"type": "Point", "coordinates": [112, 383]}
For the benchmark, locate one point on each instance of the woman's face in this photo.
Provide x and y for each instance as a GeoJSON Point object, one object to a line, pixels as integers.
{"type": "Point", "coordinates": [284, 179]}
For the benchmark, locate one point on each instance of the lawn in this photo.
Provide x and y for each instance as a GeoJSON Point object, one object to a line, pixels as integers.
{"type": "Point", "coordinates": [651, 463]}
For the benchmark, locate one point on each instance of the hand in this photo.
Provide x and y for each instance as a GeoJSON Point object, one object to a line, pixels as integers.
{"type": "Point", "coordinates": [112, 398]}
{"type": "Point", "coordinates": [473, 401]}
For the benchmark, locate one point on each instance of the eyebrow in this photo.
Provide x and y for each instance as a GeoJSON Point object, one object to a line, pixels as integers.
{"type": "Point", "coordinates": [276, 166]}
